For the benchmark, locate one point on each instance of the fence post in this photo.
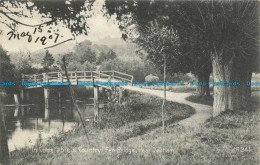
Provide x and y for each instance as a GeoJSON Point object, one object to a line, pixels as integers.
{"type": "Point", "coordinates": [113, 74]}
{"type": "Point", "coordinates": [61, 77]}
{"type": "Point", "coordinates": [76, 77]}
{"type": "Point", "coordinates": [35, 79]}
{"type": "Point", "coordinates": [45, 77]}
{"type": "Point", "coordinates": [22, 77]}
{"type": "Point", "coordinates": [132, 79]}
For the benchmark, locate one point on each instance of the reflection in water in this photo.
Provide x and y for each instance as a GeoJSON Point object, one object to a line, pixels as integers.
{"type": "Point", "coordinates": [27, 132]}
{"type": "Point", "coordinates": [25, 124]}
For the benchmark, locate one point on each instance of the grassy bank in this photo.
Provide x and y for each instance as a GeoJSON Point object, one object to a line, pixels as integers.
{"type": "Point", "coordinates": [230, 138]}
{"type": "Point", "coordinates": [118, 125]}
{"type": "Point", "coordinates": [177, 89]}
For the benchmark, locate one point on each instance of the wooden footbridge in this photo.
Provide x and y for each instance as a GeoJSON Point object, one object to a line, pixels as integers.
{"type": "Point", "coordinates": [76, 77]}
{"type": "Point", "coordinates": [107, 92]}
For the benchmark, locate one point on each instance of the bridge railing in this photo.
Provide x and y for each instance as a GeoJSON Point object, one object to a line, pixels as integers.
{"type": "Point", "coordinates": [34, 77]}
{"type": "Point", "coordinates": [120, 76]}
{"type": "Point", "coordinates": [76, 76]}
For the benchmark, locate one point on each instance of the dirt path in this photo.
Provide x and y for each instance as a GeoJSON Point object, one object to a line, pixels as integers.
{"type": "Point", "coordinates": [202, 112]}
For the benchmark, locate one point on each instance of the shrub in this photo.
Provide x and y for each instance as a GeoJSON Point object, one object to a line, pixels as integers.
{"type": "Point", "coordinates": [151, 78]}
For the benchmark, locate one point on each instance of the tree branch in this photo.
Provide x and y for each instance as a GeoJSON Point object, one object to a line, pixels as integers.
{"type": "Point", "coordinates": [7, 25]}
{"type": "Point", "coordinates": [21, 23]}
{"type": "Point", "coordinates": [15, 13]}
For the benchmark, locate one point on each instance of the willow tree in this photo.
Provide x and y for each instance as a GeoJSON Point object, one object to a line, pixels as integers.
{"type": "Point", "coordinates": [227, 32]}
{"type": "Point", "coordinates": [231, 33]}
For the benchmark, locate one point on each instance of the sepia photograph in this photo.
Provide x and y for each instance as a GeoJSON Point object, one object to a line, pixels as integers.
{"type": "Point", "coordinates": [129, 82]}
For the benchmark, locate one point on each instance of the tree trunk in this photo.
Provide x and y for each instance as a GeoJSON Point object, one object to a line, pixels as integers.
{"type": "Point", "coordinates": [4, 152]}
{"type": "Point", "coordinates": [164, 93]}
{"type": "Point", "coordinates": [246, 93]}
{"type": "Point", "coordinates": [232, 97]}
{"type": "Point", "coordinates": [203, 77]}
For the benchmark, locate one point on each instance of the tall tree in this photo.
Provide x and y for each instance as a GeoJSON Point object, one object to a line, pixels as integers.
{"type": "Point", "coordinates": [226, 32]}
{"type": "Point", "coordinates": [48, 60]}
{"type": "Point", "coordinates": [7, 71]}
{"type": "Point", "coordinates": [84, 52]}
{"type": "Point", "coordinates": [162, 44]}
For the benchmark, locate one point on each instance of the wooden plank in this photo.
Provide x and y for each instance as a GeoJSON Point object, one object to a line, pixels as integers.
{"type": "Point", "coordinates": [124, 74]}
{"type": "Point", "coordinates": [122, 78]}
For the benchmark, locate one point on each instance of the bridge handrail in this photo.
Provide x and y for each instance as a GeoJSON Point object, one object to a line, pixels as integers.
{"type": "Point", "coordinates": [75, 75]}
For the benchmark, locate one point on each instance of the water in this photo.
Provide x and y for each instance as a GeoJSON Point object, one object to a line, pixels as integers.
{"type": "Point", "coordinates": [25, 130]}
{"type": "Point", "coordinates": [26, 122]}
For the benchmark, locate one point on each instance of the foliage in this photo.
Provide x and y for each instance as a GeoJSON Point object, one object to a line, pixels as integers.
{"type": "Point", "coordinates": [7, 71]}
{"type": "Point", "coordinates": [155, 28]}
{"type": "Point", "coordinates": [203, 28]}
{"type": "Point", "coordinates": [72, 14]}
{"type": "Point", "coordinates": [88, 66]}
{"type": "Point", "coordinates": [48, 60]}
{"type": "Point", "coordinates": [224, 34]}
{"type": "Point", "coordinates": [110, 55]}
{"type": "Point", "coordinates": [84, 52]}
{"type": "Point", "coordinates": [133, 67]}
{"type": "Point", "coordinates": [151, 78]}
{"type": "Point", "coordinates": [6, 68]}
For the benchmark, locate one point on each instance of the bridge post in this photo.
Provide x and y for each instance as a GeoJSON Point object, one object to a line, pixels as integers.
{"type": "Point", "coordinates": [46, 99]}
{"type": "Point", "coordinates": [22, 76]}
{"type": "Point", "coordinates": [22, 101]}
{"type": "Point", "coordinates": [22, 95]}
{"type": "Point", "coordinates": [113, 75]}
{"type": "Point", "coordinates": [96, 109]}
{"type": "Point", "coordinates": [61, 77]}
{"type": "Point", "coordinates": [45, 77]}
{"type": "Point", "coordinates": [104, 93]}
{"type": "Point", "coordinates": [16, 100]}
{"type": "Point", "coordinates": [132, 80]}
{"type": "Point", "coordinates": [27, 96]}
{"type": "Point", "coordinates": [35, 78]}
{"type": "Point", "coordinates": [76, 78]}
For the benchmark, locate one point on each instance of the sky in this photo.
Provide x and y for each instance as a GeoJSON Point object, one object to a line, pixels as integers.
{"type": "Point", "coordinates": [100, 28]}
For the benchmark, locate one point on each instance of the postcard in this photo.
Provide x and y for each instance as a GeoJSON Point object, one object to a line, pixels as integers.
{"type": "Point", "coordinates": [86, 82]}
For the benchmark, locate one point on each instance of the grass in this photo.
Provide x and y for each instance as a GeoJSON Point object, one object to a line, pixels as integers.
{"type": "Point", "coordinates": [230, 138]}
{"type": "Point", "coordinates": [119, 124]}
{"type": "Point", "coordinates": [177, 89]}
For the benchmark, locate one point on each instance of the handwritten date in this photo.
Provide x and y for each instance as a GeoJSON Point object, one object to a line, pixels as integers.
{"type": "Point", "coordinates": [31, 38]}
